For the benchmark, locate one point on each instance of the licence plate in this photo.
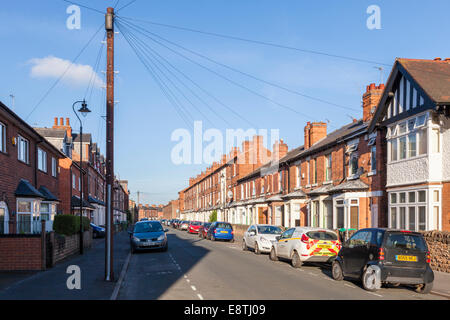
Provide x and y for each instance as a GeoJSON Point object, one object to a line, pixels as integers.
{"type": "Point", "coordinates": [223, 231]}
{"type": "Point", "coordinates": [406, 258]}
{"type": "Point", "coordinates": [324, 246]}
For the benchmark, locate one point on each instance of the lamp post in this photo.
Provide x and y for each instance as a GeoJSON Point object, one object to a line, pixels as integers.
{"type": "Point", "coordinates": [84, 111]}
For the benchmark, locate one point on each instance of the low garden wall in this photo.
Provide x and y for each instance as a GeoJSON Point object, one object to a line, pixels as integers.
{"type": "Point", "coordinates": [62, 246]}
{"type": "Point", "coordinates": [21, 252]}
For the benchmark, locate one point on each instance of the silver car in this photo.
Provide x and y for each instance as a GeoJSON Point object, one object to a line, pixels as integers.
{"type": "Point", "coordinates": [260, 237]}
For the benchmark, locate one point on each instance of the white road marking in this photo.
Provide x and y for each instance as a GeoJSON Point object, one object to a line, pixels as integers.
{"type": "Point", "coordinates": [313, 274]}
{"type": "Point", "coordinates": [194, 288]}
{"type": "Point", "coordinates": [199, 296]}
{"type": "Point", "coordinates": [185, 276]}
{"type": "Point", "coordinates": [375, 294]}
{"type": "Point", "coordinates": [347, 285]}
{"type": "Point", "coordinates": [188, 280]}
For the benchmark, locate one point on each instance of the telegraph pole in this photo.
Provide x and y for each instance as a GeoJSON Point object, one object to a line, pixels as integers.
{"type": "Point", "coordinates": [109, 26]}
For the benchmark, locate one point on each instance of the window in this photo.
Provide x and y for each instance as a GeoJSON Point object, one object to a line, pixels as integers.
{"type": "Point", "coordinates": [74, 181]}
{"type": "Point", "coordinates": [2, 137]}
{"type": "Point", "coordinates": [45, 211]}
{"type": "Point", "coordinates": [42, 160]}
{"type": "Point", "coordinates": [360, 238]}
{"type": "Point", "coordinates": [373, 159]}
{"type": "Point", "coordinates": [315, 171]}
{"type": "Point", "coordinates": [23, 149]}
{"type": "Point", "coordinates": [280, 177]}
{"type": "Point", "coordinates": [54, 167]}
{"type": "Point", "coordinates": [412, 145]}
{"type": "Point", "coordinates": [435, 143]}
{"type": "Point", "coordinates": [422, 141]}
{"type": "Point", "coordinates": [353, 166]}
{"type": "Point", "coordinates": [24, 213]}
{"type": "Point", "coordinates": [328, 162]}
{"type": "Point", "coordinates": [299, 176]}
{"type": "Point", "coordinates": [307, 173]}
{"type": "Point", "coordinates": [402, 148]}
{"type": "Point", "coordinates": [79, 184]}
{"type": "Point", "coordinates": [393, 150]}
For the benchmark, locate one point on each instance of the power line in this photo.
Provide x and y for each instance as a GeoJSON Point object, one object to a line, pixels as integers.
{"type": "Point", "coordinates": [155, 56]}
{"type": "Point", "coordinates": [129, 3]}
{"type": "Point", "coordinates": [64, 73]}
{"type": "Point", "coordinates": [257, 78]}
{"type": "Point", "coordinates": [155, 77]}
{"type": "Point", "coordinates": [259, 42]}
{"type": "Point", "coordinates": [222, 76]}
{"type": "Point", "coordinates": [83, 6]}
{"type": "Point", "coordinates": [95, 70]}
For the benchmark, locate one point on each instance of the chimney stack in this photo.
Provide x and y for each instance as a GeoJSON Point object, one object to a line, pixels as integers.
{"type": "Point", "coordinates": [280, 149]}
{"type": "Point", "coordinates": [314, 132]}
{"type": "Point", "coordinates": [370, 100]}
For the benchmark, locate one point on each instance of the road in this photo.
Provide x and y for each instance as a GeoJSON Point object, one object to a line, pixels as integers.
{"type": "Point", "coordinates": [198, 269]}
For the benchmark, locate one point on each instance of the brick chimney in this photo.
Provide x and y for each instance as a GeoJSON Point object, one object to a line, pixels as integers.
{"type": "Point", "coordinates": [370, 100]}
{"type": "Point", "coordinates": [314, 132]}
{"type": "Point", "coordinates": [280, 149]}
{"type": "Point", "coordinates": [61, 125]}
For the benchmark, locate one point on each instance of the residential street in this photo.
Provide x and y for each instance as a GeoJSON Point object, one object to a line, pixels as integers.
{"type": "Point", "coordinates": [195, 268]}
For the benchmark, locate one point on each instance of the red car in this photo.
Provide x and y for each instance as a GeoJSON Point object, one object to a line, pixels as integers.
{"type": "Point", "coordinates": [194, 226]}
{"type": "Point", "coordinates": [204, 230]}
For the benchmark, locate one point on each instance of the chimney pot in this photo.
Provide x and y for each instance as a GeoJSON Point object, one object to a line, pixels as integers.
{"type": "Point", "coordinates": [67, 122]}
{"type": "Point", "coordinates": [56, 121]}
{"type": "Point", "coordinates": [437, 59]}
{"type": "Point", "coordinates": [61, 121]}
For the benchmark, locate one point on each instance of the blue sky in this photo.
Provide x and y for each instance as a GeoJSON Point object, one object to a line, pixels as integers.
{"type": "Point", "coordinates": [145, 120]}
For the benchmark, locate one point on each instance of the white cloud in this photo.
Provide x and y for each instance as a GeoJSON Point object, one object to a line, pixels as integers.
{"type": "Point", "coordinates": [75, 74]}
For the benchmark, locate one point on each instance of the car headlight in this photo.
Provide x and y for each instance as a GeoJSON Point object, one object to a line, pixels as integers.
{"type": "Point", "coordinates": [161, 237]}
{"type": "Point", "coordinates": [136, 239]}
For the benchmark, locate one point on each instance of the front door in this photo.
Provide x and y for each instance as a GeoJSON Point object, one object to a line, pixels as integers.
{"type": "Point", "coordinates": [278, 216]}
{"type": "Point", "coordinates": [354, 217]}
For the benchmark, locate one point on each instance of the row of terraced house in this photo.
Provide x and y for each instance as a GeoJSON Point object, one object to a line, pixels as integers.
{"type": "Point", "coordinates": [391, 168]}
{"type": "Point", "coordinates": [40, 176]}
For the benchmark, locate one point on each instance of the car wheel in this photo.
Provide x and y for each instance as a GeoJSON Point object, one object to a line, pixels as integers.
{"type": "Point", "coordinates": [257, 248]}
{"type": "Point", "coordinates": [244, 246]}
{"type": "Point", "coordinates": [273, 255]}
{"type": "Point", "coordinates": [165, 248]}
{"type": "Point", "coordinates": [232, 240]}
{"type": "Point", "coordinates": [213, 238]}
{"type": "Point", "coordinates": [336, 271]}
{"type": "Point", "coordinates": [296, 262]}
{"type": "Point", "coordinates": [424, 288]}
{"type": "Point", "coordinates": [369, 280]}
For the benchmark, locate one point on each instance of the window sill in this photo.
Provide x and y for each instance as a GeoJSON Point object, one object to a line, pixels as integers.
{"type": "Point", "coordinates": [314, 185]}
{"type": "Point", "coordinates": [328, 182]}
{"type": "Point", "coordinates": [353, 177]}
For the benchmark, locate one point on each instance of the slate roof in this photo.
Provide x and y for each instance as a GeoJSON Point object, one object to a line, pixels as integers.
{"type": "Point", "coordinates": [87, 137]}
{"type": "Point", "coordinates": [47, 194]}
{"type": "Point", "coordinates": [275, 198]}
{"type": "Point", "coordinates": [322, 190]}
{"type": "Point", "coordinates": [26, 189]}
{"type": "Point", "coordinates": [51, 132]}
{"type": "Point", "coordinates": [295, 195]}
{"type": "Point", "coordinates": [433, 76]}
{"type": "Point", "coordinates": [94, 200]}
{"type": "Point", "coordinates": [351, 185]}
{"type": "Point", "coordinates": [75, 202]}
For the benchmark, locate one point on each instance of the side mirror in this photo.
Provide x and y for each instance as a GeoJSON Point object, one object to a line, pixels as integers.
{"type": "Point", "coordinates": [166, 230]}
{"type": "Point", "coordinates": [252, 233]}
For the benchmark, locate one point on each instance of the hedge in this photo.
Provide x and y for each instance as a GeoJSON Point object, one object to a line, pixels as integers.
{"type": "Point", "coordinates": [68, 224]}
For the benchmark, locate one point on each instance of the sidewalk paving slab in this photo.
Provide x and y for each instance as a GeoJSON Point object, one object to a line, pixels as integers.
{"type": "Point", "coordinates": [441, 284]}
{"type": "Point", "coordinates": [51, 284]}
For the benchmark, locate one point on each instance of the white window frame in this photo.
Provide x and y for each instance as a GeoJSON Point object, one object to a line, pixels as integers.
{"type": "Point", "coordinates": [351, 175]}
{"type": "Point", "coordinates": [42, 160]}
{"type": "Point", "coordinates": [329, 167]}
{"type": "Point", "coordinates": [23, 155]}
{"type": "Point", "coordinates": [2, 137]}
{"type": "Point", "coordinates": [54, 167]}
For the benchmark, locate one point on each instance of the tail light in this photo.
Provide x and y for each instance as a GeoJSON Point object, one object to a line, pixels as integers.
{"type": "Point", "coordinates": [215, 231]}
{"type": "Point", "coordinates": [381, 254]}
{"type": "Point", "coordinates": [232, 231]}
{"type": "Point", "coordinates": [304, 238]}
{"type": "Point", "coordinates": [428, 257]}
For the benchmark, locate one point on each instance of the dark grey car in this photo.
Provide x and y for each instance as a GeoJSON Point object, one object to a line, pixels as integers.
{"type": "Point", "coordinates": [148, 235]}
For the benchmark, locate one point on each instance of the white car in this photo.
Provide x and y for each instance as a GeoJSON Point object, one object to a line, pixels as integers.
{"type": "Point", "coordinates": [306, 244]}
{"type": "Point", "coordinates": [184, 225]}
{"type": "Point", "coordinates": [259, 237]}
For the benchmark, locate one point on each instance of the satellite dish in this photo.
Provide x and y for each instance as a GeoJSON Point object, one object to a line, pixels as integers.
{"type": "Point", "coordinates": [230, 194]}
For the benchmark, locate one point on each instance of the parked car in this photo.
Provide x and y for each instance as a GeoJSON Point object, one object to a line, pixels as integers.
{"type": "Point", "coordinates": [144, 219]}
{"type": "Point", "coordinates": [379, 256]}
{"type": "Point", "coordinates": [204, 229]}
{"type": "Point", "coordinates": [184, 225]}
{"type": "Point", "coordinates": [97, 231]}
{"type": "Point", "coordinates": [259, 237]}
{"type": "Point", "coordinates": [220, 231]}
{"type": "Point", "coordinates": [194, 226]}
{"type": "Point", "coordinates": [175, 223]}
{"type": "Point", "coordinates": [306, 244]}
{"type": "Point", "coordinates": [148, 235]}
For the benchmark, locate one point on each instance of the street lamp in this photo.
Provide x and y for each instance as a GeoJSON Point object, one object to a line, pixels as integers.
{"type": "Point", "coordinates": [84, 110]}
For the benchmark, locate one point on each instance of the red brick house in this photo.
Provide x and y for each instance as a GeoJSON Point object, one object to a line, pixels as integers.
{"type": "Point", "coordinates": [29, 176]}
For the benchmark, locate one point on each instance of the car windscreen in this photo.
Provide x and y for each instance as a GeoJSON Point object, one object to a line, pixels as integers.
{"type": "Point", "coordinates": [196, 223]}
{"type": "Point", "coordinates": [322, 235]}
{"type": "Point", "coordinates": [405, 241]}
{"type": "Point", "coordinates": [207, 225]}
{"type": "Point", "coordinates": [223, 225]}
{"type": "Point", "coordinates": [269, 230]}
{"type": "Point", "coordinates": [148, 227]}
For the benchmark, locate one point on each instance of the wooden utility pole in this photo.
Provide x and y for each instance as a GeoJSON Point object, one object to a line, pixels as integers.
{"type": "Point", "coordinates": [109, 248]}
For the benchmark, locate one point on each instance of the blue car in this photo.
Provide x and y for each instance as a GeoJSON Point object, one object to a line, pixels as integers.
{"type": "Point", "coordinates": [220, 231]}
{"type": "Point", "coordinates": [97, 231]}
{"type": "Point", "coordinates": [148, 235]}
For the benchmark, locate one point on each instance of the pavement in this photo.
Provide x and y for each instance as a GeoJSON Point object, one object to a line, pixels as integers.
{"type": "Point", "coordinates": [199, 269]}
{"type": "Point", "coordinates": [51, 284]}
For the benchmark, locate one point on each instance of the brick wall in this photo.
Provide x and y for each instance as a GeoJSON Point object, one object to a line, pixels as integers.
{"type": "Point", "coordinates": [439, 245]}
{"type": "Point", "coordinates": [65, 246]}
{"type": "Point", "coordinates": [19, 252]}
